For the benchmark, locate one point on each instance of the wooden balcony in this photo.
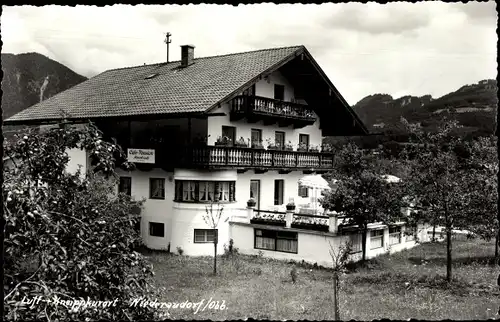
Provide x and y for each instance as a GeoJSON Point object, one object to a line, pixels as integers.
{"type": "Point", "coordinates": [245, 158]}
{"type": "Point", "coordinates": [271, 111]}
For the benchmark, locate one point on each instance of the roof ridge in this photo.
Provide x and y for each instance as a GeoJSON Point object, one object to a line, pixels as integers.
{"type": "Point", "coordinates": [205, 57]}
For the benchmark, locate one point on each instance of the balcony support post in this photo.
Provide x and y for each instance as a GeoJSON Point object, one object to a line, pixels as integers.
{"type": "Point", "coordinates": [289, 217]}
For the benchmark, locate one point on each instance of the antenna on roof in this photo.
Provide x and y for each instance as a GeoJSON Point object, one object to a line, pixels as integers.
{"type": "Point", "coordinates": [167, 41]}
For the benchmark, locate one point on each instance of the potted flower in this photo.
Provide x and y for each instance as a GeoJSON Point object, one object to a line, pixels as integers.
{"type": "Point", "coordinates": [257, 145]}
{"type": "Point", "coordinates": [271, 145]}
{"type": "Point", "coordinates": [289, 146]}
{"type": "Point", "coordinates": [318, 224]}
{"type": "Point", "coordinates": [313, 148]}
{"type": "Point", "coordinates": [290, 206]}
{"type": "Point", "coordinates": [223, 141]}
{"type": "Point", "coordinates": [251, 202]}
{"type": "Point", "coordinates": [326, 148]}
{"type": "Point", "coordinates": [241, 143]}
{"type": "Point", "coordinates": [302, 147]}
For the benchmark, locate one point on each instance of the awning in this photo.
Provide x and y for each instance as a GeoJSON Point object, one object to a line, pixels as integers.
{"type": "Point", "coordinates": [314, 181]}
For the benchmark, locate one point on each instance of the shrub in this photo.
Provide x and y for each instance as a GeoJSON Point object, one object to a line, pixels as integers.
{"type": "Point", "coordinates": [79, 234]}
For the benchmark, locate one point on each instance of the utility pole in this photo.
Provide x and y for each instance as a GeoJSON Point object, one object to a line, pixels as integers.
{"type": "Point", "coordinates": [168, 41]}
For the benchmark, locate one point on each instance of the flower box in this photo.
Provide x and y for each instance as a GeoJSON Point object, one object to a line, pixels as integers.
{"type": "Point", "coordinates": [310, 226]}
{"type": "Point", "coordinates": [270, 222]}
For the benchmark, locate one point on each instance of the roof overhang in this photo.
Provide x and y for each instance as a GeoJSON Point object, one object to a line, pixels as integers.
{"type": "Point", "coordinates": [146, 117]}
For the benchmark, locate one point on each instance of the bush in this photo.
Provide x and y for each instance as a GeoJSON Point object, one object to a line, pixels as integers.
{"type": "Point", "coordinates": [79, 235]}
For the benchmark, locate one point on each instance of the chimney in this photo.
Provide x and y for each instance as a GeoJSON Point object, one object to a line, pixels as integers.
{"type": "Point", "coordinates": [187, 55]}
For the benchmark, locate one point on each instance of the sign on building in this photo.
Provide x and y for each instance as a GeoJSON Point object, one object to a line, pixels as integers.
{"type": "Point", "coordinates": [141, 155]}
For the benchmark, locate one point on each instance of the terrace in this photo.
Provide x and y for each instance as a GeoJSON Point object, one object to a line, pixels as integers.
{"type": "Point", "coordinates": [271, 111]}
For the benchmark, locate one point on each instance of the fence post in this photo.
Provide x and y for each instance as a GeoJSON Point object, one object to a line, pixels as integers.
{"type": "Point", "coordinates": [333, 223]}
{"type": "Point", "coordinates": [250, 209]}
{"type": "Point", "coordinates": [290, 209]}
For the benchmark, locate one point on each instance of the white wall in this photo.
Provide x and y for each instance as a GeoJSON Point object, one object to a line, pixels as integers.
{"type": "Point", "coordinates": [243, 128]}
{"type": "Point", "coordinates": [154, 210]}
{"type": "Point", "coordinates": [313, 247]}
{"type": "Point", "coordinates": [291, 186]}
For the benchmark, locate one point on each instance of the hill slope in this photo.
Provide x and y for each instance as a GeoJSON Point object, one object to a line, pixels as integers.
{"type": "Point", "coordinates": [32, 77]}
{"type": "Point", "coordinates": [474, 106]}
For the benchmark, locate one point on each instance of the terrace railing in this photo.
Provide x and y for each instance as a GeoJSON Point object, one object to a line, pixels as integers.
{"type": "Point", "coordinates": [255, 106]}
{"type": "Point", "coordinates": [224, 156]}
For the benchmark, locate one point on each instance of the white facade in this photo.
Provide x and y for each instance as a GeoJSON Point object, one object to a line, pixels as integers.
{"type": "Point", "coordinates": [264, 88]}
{"type": "Point", "coordinates": [314, 246]}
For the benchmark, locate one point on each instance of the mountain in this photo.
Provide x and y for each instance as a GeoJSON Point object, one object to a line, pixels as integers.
{"type": "Point", "coordinates": [474, 106]}
{"type": "Point", "coordinates": [32, 77]}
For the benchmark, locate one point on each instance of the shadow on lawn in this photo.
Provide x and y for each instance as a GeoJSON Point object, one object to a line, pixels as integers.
{"type": "Point", "coordinates": [441, 261]}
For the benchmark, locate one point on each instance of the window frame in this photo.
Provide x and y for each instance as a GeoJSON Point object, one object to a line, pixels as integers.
{"type": "Point", "coordinates": [302, 135]}
{"type": "Point", "coordinates": [303, 191]}
{"type": "Point", "coordinates": [392, 234]}
{"type": "Point", "coordinates": [231, 128]}
{"type": "Point", "coordinates": [359, 236]}
{"type": "Point", "coordinates": [277, 199]}
{"type": "Point", "coordinates": [162, 180]}
{"type": "Point", "coordinates": [220, 188]}
{"type": "Point", "coordinates": [205, 235]}
{"type": "Point", "coordinates": [281, 90]}
{"type": "Point", "coordinates": [381, 237]}
{"type": "Point", "coordinates": [281, 144]}
{"type": "Point", "coordinates": [276, 237]}
{"type": "Point", "coordinates": [252, 141]}
{"type": "Point", "coordinates": [120, 185]}
{"type": "Point", "coordinates": [151, 229]}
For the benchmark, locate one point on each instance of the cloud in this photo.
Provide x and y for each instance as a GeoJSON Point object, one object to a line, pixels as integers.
{"type": "Point", "coordinates": [363, 48]}
{"type": "Point", "coordinates": [374, 18]}
{"type": "Point", "coordinates": [480, 12]}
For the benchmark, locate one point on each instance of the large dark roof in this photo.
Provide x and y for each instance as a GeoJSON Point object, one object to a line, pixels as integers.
{"type": "Point", "coordinates": [129, 91]}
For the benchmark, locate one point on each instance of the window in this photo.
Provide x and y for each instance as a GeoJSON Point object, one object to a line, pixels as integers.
{"type": "Point", "coordinates": [279, 92]}
{"type": "Point", "coordinates": [156, 188]}
{"type": "Point", "coordinates": [279, 241]}
{"type": "Point", "coordinates": [410, 233]}
{"type": "Point", "coordinates": [204, 235]}
{"type": "Point", "coordinates": [303, 191]}
{"type": "Point", "coordinates": [230, 132]}
{"type": "Point", "coordinates": [304, 141]}
{"type": "Point", "coordinates": [279, 139]}
{"type": "Point", "coordinates": [204, 191]}
{"type": "Point", "coordinates": [356, 240]}
{"type": "Point", "coordinates": [125, 185]}
{"type": "Point", "coordinates": [377, 239]}
{"type": "Point", "coordinates": [256, 137]}
{"type": "Point", "coordinates": [278, 191]}
{"type": "Point", "coordinates": [394, 235]}
{"type": "Point", "coordinates": [255, 192]}
{"type": "Point", "coordinates": [250, 91]}
{"type": "Point", "coordinates": [156, 229]}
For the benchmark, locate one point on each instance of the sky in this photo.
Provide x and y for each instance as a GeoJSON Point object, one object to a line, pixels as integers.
{"type": "Point", "coordinates": [398, 48]}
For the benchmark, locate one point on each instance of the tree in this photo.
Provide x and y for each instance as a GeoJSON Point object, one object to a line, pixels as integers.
{"type": "Point", "coordinates": [340, 258]}
{"type": "Point", "coordinates": [69, 235]}
{"type": "Point", "coordinates": [212, 219]}
{"type": "Point", "coordinates": [361, 193]}
{"type": "Point", "coordinates": [452, 181]}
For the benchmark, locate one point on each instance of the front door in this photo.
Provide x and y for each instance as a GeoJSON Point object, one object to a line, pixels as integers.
{"type": "Point", "coordinates": [255, 192]}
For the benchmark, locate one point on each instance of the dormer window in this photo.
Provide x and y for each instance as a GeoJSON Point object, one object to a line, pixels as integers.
{"type": "Point", "coordinates": [279, 92]}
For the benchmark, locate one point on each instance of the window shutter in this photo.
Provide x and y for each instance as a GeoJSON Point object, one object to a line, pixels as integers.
{"type": "Point", "coordinates": [196, 190]}
{"type": "Point", "coordinates": [231, 191]}
{"type": "Point", "coordinates": [217, 191]}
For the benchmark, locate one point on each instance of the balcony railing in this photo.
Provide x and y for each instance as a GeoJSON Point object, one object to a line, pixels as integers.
{"type": "Point", "coordinates": [223, 156]}
{"type": "Point", "coordinates": [270, 110]}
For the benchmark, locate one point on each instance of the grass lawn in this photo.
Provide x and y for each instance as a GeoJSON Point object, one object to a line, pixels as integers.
{"type": "Point", "coordinates": [409, 284]}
